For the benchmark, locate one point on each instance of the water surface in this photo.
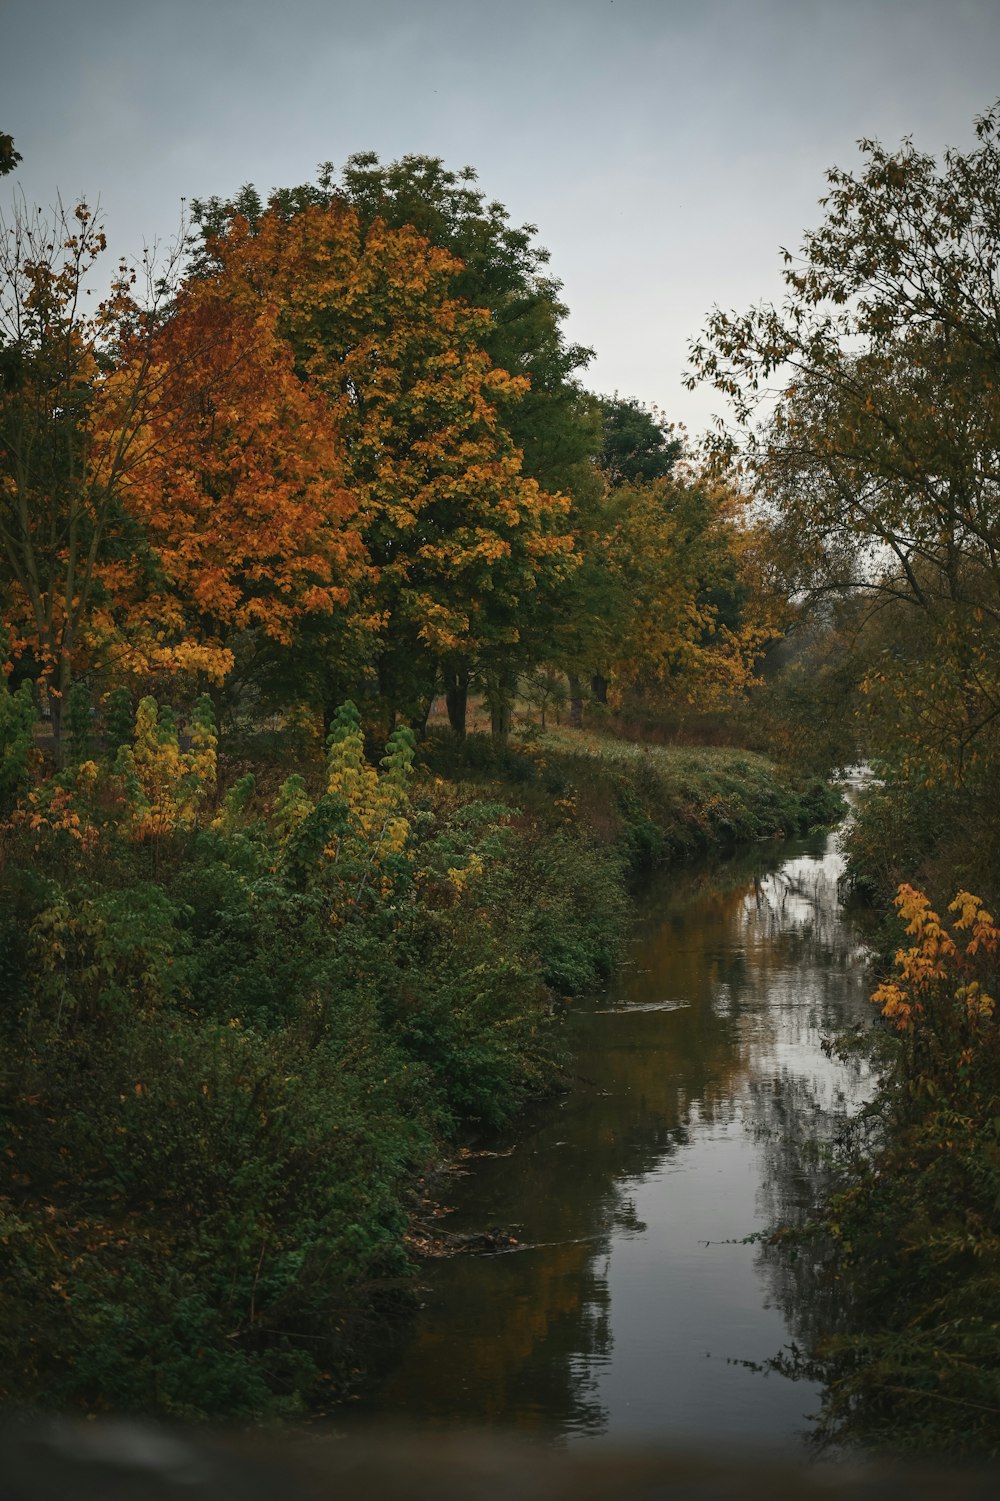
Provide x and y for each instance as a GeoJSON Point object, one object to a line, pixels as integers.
{"type": "Point", "coordinates": [631, 1307]}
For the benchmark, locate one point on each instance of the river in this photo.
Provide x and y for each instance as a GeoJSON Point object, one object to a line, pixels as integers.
{"type": "Point", "coordinates": [632, 1306]}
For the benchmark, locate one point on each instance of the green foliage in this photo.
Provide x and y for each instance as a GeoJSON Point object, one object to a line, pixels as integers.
{"type": "Point", "coordinates": [17, 721]}
{"type": "Point", "coordinates": [78, 728]}
{"type": "Point", "coordinates": [229, 1195]}
{"type": "Point", "coordinates": [232, 814]}
{"type": "Point", "coordinates": [638, 445]}
{"type": "Point", "coordinates": [291, 805]}
{"type": "Point", "coordinates": [232, 1040]}
{"type": "Point", "coordinates": [225, 1094]}
{"type": "Point", "coordinates": [577, 918]}
{"type": "Point", "coordinates": [672, 802]}
{"type": "Point", "coordinates": [119, 719]}
{"type": "Point", "coordinates": [911, 828]}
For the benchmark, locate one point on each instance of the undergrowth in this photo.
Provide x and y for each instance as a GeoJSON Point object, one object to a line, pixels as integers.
{"type": "Point", "coordinates": [240, 1020]}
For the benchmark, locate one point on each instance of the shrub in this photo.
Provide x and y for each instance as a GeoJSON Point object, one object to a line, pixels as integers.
{"type": "Point", "coordinates": [913, 1244]}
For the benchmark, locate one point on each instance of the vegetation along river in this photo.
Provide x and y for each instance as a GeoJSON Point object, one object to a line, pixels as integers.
{"type": "Point", "coordinates": [631, 1306]}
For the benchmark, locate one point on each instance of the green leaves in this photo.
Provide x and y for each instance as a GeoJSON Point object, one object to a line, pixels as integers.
{"type": "Point", "coordinates": [876, 454]}
{"type": "Point", "coordinates": [17, 722]}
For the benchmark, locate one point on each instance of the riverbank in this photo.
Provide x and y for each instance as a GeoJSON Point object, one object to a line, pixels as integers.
{"type": "Point", "coordinates": [236, 1038]}
{"type": "Point", "coordinates": [907, 1350]}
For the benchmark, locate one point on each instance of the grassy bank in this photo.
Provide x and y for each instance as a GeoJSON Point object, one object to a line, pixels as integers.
{"type": "Point", "coordinates": [242, 1014]}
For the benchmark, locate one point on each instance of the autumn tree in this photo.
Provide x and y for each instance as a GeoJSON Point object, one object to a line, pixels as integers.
{"type": "Point", "coordinates": [503, 270]}
{"type": "Point", "coordinates": [246, 520]}
{"type": "Point", "coordinates": [870, 418]}
{"type": "Point", "coordinates": [637, 447]}
{"type": "Point", "coordinates": [686, 636]}
{"type": "Point", "coordinates": [637, 442]}
{"type": "Point", "coordinates": [553, 421]}
{"type": "Point", "coordinates": [547, 415]}
{"type": "Point", "coordinates": [70, 419]}
{"type": "Point", "coordinates": [459, 539]}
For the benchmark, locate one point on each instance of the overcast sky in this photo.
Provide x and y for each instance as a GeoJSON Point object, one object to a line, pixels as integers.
{"type": "Point", "coordinates": [664, 148]}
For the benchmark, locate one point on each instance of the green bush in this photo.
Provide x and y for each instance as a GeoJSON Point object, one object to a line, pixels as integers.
{"type": "Point", "coordinates": [216, 1100]}
{"type": "Point", "coordinates": [229, 1047]}
{"type": "Point", "coordinates": [909, 1359]}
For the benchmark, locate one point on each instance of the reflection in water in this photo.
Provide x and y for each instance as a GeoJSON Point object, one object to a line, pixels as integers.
{"type": "Point", "coordinates": [633, 1307]}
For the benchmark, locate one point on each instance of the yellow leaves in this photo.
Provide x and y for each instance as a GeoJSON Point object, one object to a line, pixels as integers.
{"type": "Point", "coordinates": [974, 918]}
{"type": "Point", "coordinates": [976, 1000]}
{"type": "Point", "coordinates": [458, 876]}
{"type": "Point", "coordinates": [165, 786]}
{"type": "Point", "coordinates": [673, 550]}
{"type": "Point", "coordinates": [941, 967]}
{"type": "Point", "coordinates": [373, 830]}
{"type": "Point", "coordinates": [895, 1004]}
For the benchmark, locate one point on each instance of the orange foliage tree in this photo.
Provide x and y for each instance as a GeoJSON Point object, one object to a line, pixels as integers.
{"type": "Point", "coordinates": [169, 486]}
{"type": "Point", "coordinates": [462, 544]}
{"type": "Point", "coordinates": [246, 519]}
{"type": "Point", "coordinates": [945, 976]}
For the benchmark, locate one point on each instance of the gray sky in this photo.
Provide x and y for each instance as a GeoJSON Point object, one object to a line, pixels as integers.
{"type": "Point", "coordinates": [664, 149]}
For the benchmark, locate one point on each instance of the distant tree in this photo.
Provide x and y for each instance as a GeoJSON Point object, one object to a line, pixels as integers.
{"type": "Point", "coordinates": [682, 635]}
{"type": "Point", "coordinates": [637, 447]}
{"type": "Point", "coordinates": [637, 444]}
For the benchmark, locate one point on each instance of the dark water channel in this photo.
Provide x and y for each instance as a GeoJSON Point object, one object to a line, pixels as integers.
{"type": "Point", "coordinates": [628, 1310]}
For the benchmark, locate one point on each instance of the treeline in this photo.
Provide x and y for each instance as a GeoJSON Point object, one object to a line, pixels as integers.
{"type": "Point", "coordinates": [336, 446]}
{"type": "Point", "coordinates": [878, 460]}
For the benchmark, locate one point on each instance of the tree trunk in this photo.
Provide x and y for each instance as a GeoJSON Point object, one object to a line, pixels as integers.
{"type": "Point", "coordinates": [575, 702]}
{"type": "Point", "coordinates": [499, 721]}
{"type": "Point", "coordinates": [500, 697]}
{"type": "Point", "coordinates": [55, 705]}
{"type": "Point", "coordinates": [58, 685]}
{"type": "Point", "coordinates": [425, 714]}
{"type": "Point", "coordinates": [457, 697]}
{"type": "Point", "coordinates": [599, 688]}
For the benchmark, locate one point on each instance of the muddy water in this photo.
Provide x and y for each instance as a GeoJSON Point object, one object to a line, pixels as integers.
{"type": "Point", "coordinates": [630, 1307]}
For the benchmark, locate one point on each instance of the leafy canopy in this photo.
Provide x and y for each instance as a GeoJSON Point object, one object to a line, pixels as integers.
{"type": "Point", "coordinates": [502, 270]}
{"type": "Point", "coordinates": [877, 450]}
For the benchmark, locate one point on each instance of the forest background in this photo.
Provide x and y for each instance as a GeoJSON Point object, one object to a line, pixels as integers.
{"type": "Point", "coordinates": [265, 934]}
